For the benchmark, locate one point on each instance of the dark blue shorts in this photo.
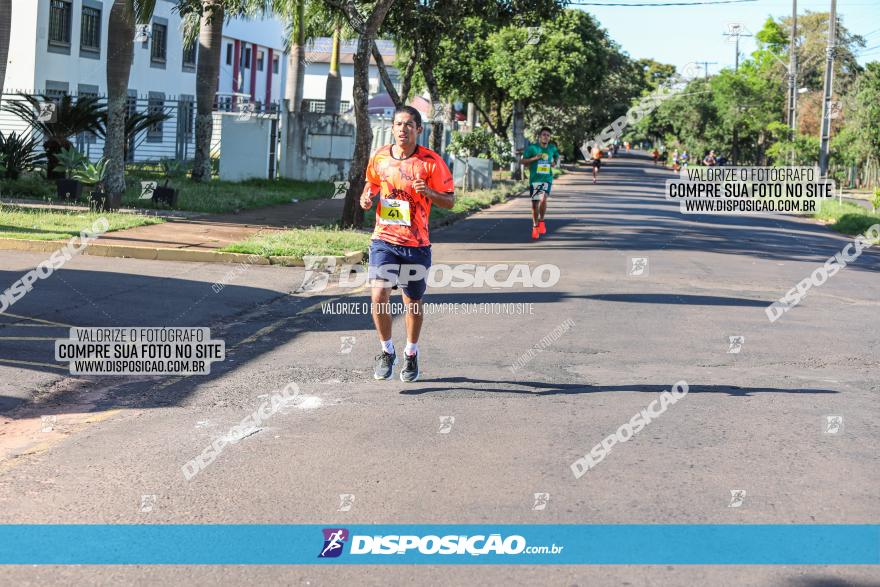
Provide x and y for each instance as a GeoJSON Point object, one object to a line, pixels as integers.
{"type": "Point", "coordinates": [387, 260]}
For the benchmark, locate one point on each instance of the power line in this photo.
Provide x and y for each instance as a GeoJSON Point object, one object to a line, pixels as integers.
{"type": "Point", "coordinates": [868, 49]}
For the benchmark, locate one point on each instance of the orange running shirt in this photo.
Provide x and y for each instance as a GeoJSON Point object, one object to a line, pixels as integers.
{"type": "Point", "coordinates": [402, 213]}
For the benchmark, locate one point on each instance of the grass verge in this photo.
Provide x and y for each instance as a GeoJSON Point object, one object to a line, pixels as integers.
{"type": "Point", "coordinates": [299, 242]}
{"type": "Point", "coordinates": [846, 217]}
{"type": "Point", "coordinates": [46, 225]}
{"type": "Point", "coordinates": [465, 203]}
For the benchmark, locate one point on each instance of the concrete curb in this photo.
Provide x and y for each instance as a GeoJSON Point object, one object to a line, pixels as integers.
{"type": "Point", "coordinates": [164, 254]}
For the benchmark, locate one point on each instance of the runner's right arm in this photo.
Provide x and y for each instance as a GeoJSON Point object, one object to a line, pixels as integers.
{"type": "Point", "coordinates": [372, 187]}
{"type": "Point", "coordinates": [528, 160]}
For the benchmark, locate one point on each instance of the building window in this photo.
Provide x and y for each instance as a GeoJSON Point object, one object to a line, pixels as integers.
{"type": "Point", "coordinates": [56, 90]}
{"type": "Point", "coordinates": [160, 38]}
{"type": "Point", "coordinates": [59, 22]}
{"type": "Point", "coordinates": [275, 62]}
{"type": "Point", "coordinates": [90, 33]}
{"type": "Point", "coordinates": [187, 114]}
{"type": "Point", "coordinates": [228, 53]}
{"type": "Point", "coordinates": [156, 104]}
{"type": "Point", "coordinates": [261, 55]}
{"type": "Point", "coordinates": [246, 58]}
{"type": "Point", "coordinates": [189, 56]}
{"type": "Point", "coordinates": [83, 91]}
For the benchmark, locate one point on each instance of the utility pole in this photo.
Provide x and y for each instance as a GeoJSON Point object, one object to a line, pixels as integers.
{"type": "Point", "coordinates": [706, 65]}
{"type": "Point", "coordinates": [736, 32]}
{"type": "Point", "coordinates": [826, 101]}
{"type": "Point", "coordinates": [792, 70]}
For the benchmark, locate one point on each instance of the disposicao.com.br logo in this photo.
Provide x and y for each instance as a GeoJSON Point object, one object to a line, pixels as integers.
{"type": "Point", "coordinates": [334, 540]}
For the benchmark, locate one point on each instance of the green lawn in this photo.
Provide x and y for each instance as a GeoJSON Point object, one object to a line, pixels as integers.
{"type": "Point", "coordinates": [45, 225]}
{"type": "Point", "coordinates": [215, 196]}
{"type": "Point", "coordinates": [218, 196]}
{"type": "Point", "coordinates": [299, 242]}
{"type": "Point", "coordinates": [847, 217]}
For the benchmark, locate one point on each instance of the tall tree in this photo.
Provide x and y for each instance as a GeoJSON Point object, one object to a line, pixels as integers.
{"type": "Point", "coordinates": [296, 53]}
{"type": "Point", "coordinates": [5, 33]}
{"type": "Point", "coordinates": [204, 19]}
{"type": "Point", "coordinates": [120, 49]}
{"type": "Point", "coordinates": [420, 27]}
{"type": "Point", "coordinates": [207, 73]}
{"type": "Point", "coordinates": [333, 89]}
{"type": "Point", "coordinates": [367, 27]}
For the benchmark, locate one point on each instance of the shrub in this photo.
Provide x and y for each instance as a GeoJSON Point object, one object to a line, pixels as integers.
{"type": "Point", "coordinates": [69, 160]}
{"type": "Point", "coordinates": [18, 153]}
{"type": "Point", "coordinates": [71, 116]}
{"type": "Point", "coordinates": [92, 173]}
{"type": "Point", "coordinates": [480, 142]}
{"type": "Point", "coordinates": [30, 185]}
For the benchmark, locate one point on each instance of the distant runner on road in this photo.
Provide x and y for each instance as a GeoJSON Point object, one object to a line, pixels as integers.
{"type": "Point", "coordinates": [408, 178]}
{"type": "Point", "coordinates": [540, 158]}
{"type": "Point", "coordinates": [596, 155]}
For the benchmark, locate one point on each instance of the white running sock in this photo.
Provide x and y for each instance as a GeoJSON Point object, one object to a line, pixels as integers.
{"type": "Point", "coordinates": [388, 346]}
{"type": "Point", "coordinates": [412, 348]}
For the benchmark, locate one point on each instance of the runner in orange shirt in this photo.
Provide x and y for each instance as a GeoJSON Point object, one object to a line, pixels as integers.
{"type": "Point", "coordinates": [408, 178]}
{"type": "Point", "coordinates": [596, 155]}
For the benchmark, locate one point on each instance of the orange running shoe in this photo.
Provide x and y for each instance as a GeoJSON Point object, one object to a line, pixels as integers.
{"type": "Point", "coordinates": [535, 233]}
{"type": "Point", "coordinates": [542, 228]}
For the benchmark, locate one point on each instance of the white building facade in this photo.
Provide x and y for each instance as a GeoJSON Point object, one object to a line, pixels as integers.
{"type": "Point", "coordinates": [59, 47]}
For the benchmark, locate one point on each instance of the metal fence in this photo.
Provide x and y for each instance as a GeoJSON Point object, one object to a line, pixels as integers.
{"type": "Point", "coordinates": [173, 138]}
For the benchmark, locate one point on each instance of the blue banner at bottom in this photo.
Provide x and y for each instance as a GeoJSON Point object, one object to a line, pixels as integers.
{"type": "Point", "coordinates": [613, 544]}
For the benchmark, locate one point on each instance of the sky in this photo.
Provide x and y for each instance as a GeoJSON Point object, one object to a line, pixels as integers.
{"type": "Point", "coordinates": [685, 34]}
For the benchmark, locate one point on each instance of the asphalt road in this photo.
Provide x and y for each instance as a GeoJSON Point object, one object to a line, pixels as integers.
{"type": "Point", "coordinates": [753, 420]}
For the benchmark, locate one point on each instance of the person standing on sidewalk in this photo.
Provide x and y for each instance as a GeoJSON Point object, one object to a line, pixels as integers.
{"type": "Point", "coordinates": [408, 179]}
{"type": "Point", "coordinates": [540, 157]}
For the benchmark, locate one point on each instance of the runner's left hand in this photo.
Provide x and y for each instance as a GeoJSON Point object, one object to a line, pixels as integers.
{"type": "Point", "coordinates": [420, 186]}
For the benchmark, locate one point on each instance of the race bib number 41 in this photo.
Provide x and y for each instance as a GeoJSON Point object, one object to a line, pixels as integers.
{"type": "Point", "coordinates": [394, 212]}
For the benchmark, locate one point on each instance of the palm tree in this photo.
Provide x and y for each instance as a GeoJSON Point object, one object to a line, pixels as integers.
{"type": "Point", "coordinates": [120, 50]}
{"type": "Point", "coordinates": [308, 20]}
{"type": "Point", "coordinates": [72, 117]}
{"type": "Point", "coordinates": [207, 72]}
{"type": "Point", "coordinates": [333, 91]}
{"type": "Point", "coordinates": [135, 124]}
{"type": "Point", "coordinates": [5, 33]}
{"type": "Point", "coordinates": [296, 67]}
{"type": "Point", "coordinates": [205, 19]}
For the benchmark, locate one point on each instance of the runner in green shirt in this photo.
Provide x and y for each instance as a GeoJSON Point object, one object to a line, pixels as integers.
{"type": "Point", "coordinates": [540, 157]}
